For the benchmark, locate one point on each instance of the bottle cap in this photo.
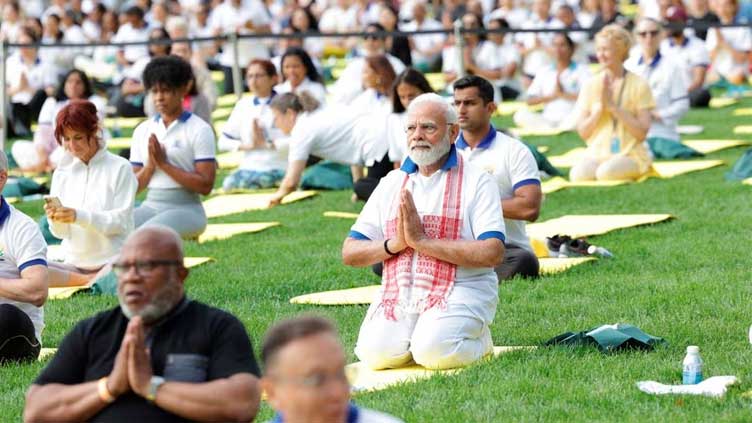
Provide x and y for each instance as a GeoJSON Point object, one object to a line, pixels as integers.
{"type": "Point", "coordinates": [693, 349]}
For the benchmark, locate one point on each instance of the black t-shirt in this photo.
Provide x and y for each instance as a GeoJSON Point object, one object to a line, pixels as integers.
{"type": "Point", "coordinates": [708, 18]}
{"type": "Point", "coordinates": [193, 343]}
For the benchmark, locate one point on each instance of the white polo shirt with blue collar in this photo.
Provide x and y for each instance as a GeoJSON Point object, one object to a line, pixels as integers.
{"type": "Point", "coordinates": [187, 141]}
{"type": "Point", "coordinates": [481, 217]}
{"type": "Point", "coordinates": [21, 246]}
{"type": "Point", "coordinates": [512, 165]}
{"type": "Point", "coordinates": [667, 78]}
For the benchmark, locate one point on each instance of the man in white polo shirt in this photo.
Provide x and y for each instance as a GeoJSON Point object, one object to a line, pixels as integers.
{"type": "Point", "coordinates": [512, 166]}
{"type": "Point", "coordinates": [436, 224]}
{"type": "Point", "coordinates": [692, 53]}
{"type": "Point", "coordinates": [23, 280]}
{"type": "Point", "coordinates": [667, 79]}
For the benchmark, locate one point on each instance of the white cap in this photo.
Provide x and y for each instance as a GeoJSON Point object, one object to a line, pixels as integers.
{"type": "Point", "coordinates": [693, 349]}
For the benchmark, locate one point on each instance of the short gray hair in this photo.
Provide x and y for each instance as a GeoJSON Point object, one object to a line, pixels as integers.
{"type": "Point", "coordinates": [3, 161]}
{"type": "Point", "coordinates": [432, 98]}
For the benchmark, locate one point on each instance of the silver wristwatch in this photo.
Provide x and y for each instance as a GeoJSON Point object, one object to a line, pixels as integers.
{"type": "Point", "coordinates": [154, 384]}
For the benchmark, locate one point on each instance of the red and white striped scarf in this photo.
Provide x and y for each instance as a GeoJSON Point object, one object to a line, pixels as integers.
{"type": "Point", "coordinates": [433, 279]}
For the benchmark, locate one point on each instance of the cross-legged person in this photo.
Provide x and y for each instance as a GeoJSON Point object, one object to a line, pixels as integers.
{"type": "Point", "coordinates": [304, 375]}
{"type": "Point", "coordinates": [172, 153]}
{"type": "Point", "coordinates": [510, 163]}
{"type": "Point", "coordinates": [614, 114]}
{"type": "Point", "coordinates": [158, 356]}
{"type": "Point", "coordinates": [23, 281]}
{"type": "Point", "coordinates": [92, 194]}
{"type": "Point", "coordinates": [437, 225]}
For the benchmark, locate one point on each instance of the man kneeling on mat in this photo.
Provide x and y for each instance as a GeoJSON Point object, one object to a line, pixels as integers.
{"type": "Point", "coordinates": [437, 225]}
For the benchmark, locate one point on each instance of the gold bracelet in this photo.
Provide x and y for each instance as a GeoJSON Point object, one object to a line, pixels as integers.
{"type": "Point", "coordinates": [104, 393]}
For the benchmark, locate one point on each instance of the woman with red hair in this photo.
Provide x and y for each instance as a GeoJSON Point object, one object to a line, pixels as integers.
{"type": "Point", "coordinates": [91, 198]}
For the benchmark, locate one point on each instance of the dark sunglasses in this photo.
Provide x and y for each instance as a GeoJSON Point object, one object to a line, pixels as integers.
{"type": "Point", "coordinates": [653, 33]}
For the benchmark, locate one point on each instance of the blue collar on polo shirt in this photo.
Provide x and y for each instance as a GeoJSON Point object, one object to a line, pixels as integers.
{"type": "Point", "coordinates": [182, 118]}
{"type": "Point", "coordinates": [654, 62]}
{"type": "Point", "coordinates": [4, 210]}
{"type": "Point", "coordinates": [409, 166]}
{"type": "Point", "coordinates": [684, 42]}
{"type": "Point", "coordinates": [484, 143]}
{"type": "Point", "coordinates": [257, 102]}
{"type": "Point", "coordinates": [352, 415]}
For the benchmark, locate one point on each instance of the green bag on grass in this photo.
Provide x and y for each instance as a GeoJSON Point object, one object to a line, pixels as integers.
{"type": "Point", "coordinates": [327, 175]}
{"type": "Point", "coordinates": [742, 168]}
{"type": "Point", "coordinates": [609, 338]}
{"type": "Point", "coordinates": [663, 148]}
{"type": "Point", "coordinates": [106, 285]}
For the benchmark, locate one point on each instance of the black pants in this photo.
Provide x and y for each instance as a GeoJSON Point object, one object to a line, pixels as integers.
{"type": "Point", "coordinates": [21, 115]}
{"type": "Point", "coordinates": [229, 84]}
{"type": "Point", "coordinates": [17, 339]}
{"type": "Point", "coordinates": [364, 187]}
{"type": "Point", "coordinates": [699, 98]}
{"type": "Point", "coordinates": [517, 261]}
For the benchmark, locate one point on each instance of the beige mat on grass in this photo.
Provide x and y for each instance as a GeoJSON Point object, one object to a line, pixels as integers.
{"type": "Point", "coordinates": [363, 379]}
{"type": "Point", "coordinates": [119, 143]}
{"type": "Point", "coordinates": [123, 122]}
{"type": "Point", "coordinates": [223, 205]}
{"type": "Point", "coordinates": [712, 146]}
{"type": "Point", "coordinates": [578, 226]}
{"type": "Point", "coordinates": [222, 113]}
{"type": "Point", "coordinates": [536, 132]}
{"type": "Point", "coordinates": [717, 103]}
{"type": "Point", "coordinates": [220, 231]}
{"type": "Point", "coordinates": [690, 129]}
{"type": "Point", "coordinates": [46, 353]}
{"type": "Point", "coordinates": [366, 294]}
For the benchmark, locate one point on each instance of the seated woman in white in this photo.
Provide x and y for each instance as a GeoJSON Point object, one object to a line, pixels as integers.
{"type": "Point", "coordinates": [43, 154]}
{"type": "Point", "coordinates": [250, 129]}
{"type": "Point", "coordinates": [377, 77]}
{"type": "Point", "coordinates": [333, 133]}
{"type": "Point", "coordinates": [472, 59]}
{"type": "Point", "coordinates": [173, 154]}
{"type": "Point", "coordinates": [92, 194]}
{"type": "Point", "coordinates": [299, 75]}
{"type": "Point", "coordinates": [556, 88]}
{"type": "Point", "coordinates": [729, 47]}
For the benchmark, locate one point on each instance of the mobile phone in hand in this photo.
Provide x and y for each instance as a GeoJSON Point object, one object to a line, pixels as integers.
{"type": "Point", "coordinates": [52, 201]}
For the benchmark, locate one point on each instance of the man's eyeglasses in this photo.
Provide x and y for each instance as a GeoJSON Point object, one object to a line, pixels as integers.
{"type": "Point", "coordinates": [644, 34]}
{"type": "Point", "coordinates": [143, 268]}
{"type": "Point", "coordinates": [426, 128]}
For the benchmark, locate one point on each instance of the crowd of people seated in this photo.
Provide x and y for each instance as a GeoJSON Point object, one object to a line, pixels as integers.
{"type": "Point", "coordinates": [441, 184]}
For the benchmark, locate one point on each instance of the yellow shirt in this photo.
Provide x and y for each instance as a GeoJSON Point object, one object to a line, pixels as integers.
{"type": "Point", "coordinates": [636, 96]}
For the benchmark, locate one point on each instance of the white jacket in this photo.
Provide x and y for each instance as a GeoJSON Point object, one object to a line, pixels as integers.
{"type": "Point", "coordinates": [102, 193]}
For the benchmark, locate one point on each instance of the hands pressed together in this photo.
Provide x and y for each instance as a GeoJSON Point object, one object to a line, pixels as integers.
{"type": "Point", "coordinates": [157, 153]}
{"type": "Point", "coordinates": [132, 369]}
{"type": "Point", "coordinates": [409, 226]}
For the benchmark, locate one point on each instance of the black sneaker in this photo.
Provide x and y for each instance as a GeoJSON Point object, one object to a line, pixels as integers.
{"type": "Point", "coordinates": [554, 244]}
{"type": "Point", "coordinates": [574, 248]}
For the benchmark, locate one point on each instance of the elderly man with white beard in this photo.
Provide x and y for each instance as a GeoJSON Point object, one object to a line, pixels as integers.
{"type": "Point", "coordinates": [436, 224]}
{"type": "Point", "coordinates": [159, 356]}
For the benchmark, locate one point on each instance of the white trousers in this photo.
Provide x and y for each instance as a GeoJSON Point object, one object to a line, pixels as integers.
{"type": "Point", "coordinates": [435, 339]}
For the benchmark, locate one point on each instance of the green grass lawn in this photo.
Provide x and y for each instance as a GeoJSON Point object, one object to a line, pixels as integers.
{"type": "Point", "coordinates": [686, 281]}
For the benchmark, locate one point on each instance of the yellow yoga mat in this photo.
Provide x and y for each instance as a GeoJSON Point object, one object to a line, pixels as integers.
{"type": "Point", "coordinates": [217, 76]}
{"type": "Point", "coordinates": [46, 353]}
{"type": "Point", "coordinates": [747, 181]}
{"type": "Point", "coordinates": [363, 379]}
{"type": "Point", "coordinates": [366, 294]}
{"type": "Point", "coordinates": [717, 103]}
{"type": "Point", "coordinates": [341, 215]}
{"type": "Point", "coordinates": [711, 146]}
{"type": "Point", "coordinates": [229, 160]}
{"type": "Point", "coordinates": [542, 148]}
{"type": "Point", "coordinates": [228, 100]}
{"type": "Point", "coordinates": [436, 80]}
{"type": "Point", "coordinates": [690, 129]}
{"type": "Point", "coordinates": [220, 231]}
{"type": "Point", "coordinates": [218, 125]}
{"type": "Point", "coordinates": [670, 169]}
{"type": "Point", "coordinates": [743, 111]}
{"type": "Point", "coordinates": [69, 291]}
{"type": "Point", "coordinates": [222, 113]}
{"type": "Point", "coordinates": [536, 132]}
{"type": "Point", "coordinates": [559, 183]}
{"type": "Point", "coordinates": [568, 159]}
{"type": "Point", "coordinates": [223, 205]}
{"type": "Point", "coordinates": [119, 143]}
{"type": "Point", "coordinates": [578, 226]}
{"type": "Point", "coordinates": [508, 108]}
{"type": "Point", "coordinates": [123, 122]}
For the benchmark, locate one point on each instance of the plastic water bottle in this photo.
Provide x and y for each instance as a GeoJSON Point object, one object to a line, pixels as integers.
{"type": "Point", "coordinates": [599, 251]}
{"type": "Point", "coordinates": [692, 366]}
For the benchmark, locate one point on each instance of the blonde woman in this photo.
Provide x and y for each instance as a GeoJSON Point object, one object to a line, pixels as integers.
{"type": "Point", "coordinates": [614, 114]}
